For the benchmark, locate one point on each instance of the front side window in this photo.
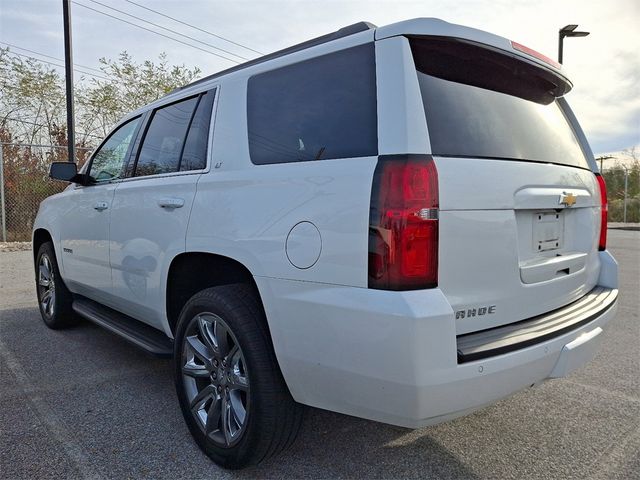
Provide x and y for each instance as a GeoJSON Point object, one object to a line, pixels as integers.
{"type": "Point", "coordinates": [108, 161]}
{"type": "Point", "coordinates": [318, 109]}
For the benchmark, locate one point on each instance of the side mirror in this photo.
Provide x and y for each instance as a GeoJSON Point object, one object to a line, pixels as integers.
{"type": "Point", "coordinates": [65, 171]}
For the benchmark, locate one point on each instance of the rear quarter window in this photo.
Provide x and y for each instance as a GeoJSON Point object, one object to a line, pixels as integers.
{"type": "Point", "coordinates": [322, 108]}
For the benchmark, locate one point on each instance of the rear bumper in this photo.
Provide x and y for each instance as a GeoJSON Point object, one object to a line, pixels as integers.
{"type": "Point", "coordinates": [392, 356]}
{"type": "Point", "coordinates": [516, 336]}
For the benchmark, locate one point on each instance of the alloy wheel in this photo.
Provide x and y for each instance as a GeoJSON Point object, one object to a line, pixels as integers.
{"type": "Point", "coordinates": [215, 379]}
{"type": "Point", "coordinates": [46, 285]}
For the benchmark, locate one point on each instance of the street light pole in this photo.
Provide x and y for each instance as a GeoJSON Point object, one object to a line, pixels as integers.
{"type": "Point", "coordinates": [567, 31]}
{"type": "Point", "coordinates": [68, 74]}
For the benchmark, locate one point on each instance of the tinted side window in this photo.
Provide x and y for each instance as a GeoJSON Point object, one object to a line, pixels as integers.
{"type": "Point", "coordinates": [314, 110]}
{"type": "Point", "coordinates": [164, 139]}
{"type": "Point", "coordinates": [194, 156]}
{"type": "Point", "coordinates": [109, 159]}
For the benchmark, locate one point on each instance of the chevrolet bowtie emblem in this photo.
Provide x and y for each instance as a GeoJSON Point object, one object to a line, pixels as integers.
{"type": "Point", "coordinates": [567, 199]}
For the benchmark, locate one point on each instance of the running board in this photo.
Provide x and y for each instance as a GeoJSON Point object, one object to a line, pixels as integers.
{"type": "Point", "coordinates": [140, 334]}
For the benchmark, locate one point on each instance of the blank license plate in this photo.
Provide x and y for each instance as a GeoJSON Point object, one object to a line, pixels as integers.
{"type": "Point", "coordinates": [548, 231]}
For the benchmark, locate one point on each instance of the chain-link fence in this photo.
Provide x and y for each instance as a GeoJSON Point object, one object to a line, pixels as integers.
{"type": "Point", "coordinates": [25, 182]}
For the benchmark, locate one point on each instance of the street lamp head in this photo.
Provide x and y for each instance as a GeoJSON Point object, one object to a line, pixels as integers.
{"type": "Point", "coordinates": [569, 31]}
{"type": "Point", "coordinates": [568, 28]}
{"type": "Point", "coordinates": [577, 34]}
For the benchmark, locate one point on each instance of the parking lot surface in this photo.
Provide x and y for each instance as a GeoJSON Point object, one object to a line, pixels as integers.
{"type": "Point", "coordinates": [83, 403]}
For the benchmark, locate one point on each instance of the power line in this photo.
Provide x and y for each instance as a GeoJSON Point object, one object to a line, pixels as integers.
{"type": "Point", "coordinates": [58, 65]}
{"type": "Point", "coordinates": [193, 26]}
{"type": "Point", "coordinates": [153, 31]}
{"type": "Point", "coordinates": [168, 29]}
{"type": "Point", "coordinates": [49, 56]}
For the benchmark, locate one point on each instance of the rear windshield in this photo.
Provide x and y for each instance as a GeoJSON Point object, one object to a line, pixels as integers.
{"type": "Point", "coordinates": [477, 119]}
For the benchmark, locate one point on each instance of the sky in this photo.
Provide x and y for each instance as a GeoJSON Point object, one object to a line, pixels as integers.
{"type": "Point", "coordinates": [604, 66]}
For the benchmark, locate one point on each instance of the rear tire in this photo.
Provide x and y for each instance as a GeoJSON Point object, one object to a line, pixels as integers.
{"type": "Point", "coordinates": [231, 391]}
{"type": "Point", "coordinates": [54, 299]}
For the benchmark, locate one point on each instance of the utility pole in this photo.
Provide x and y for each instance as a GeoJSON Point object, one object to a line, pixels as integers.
{"type": "Point", "coordinates": [626, 186]}
{"type": "Point", "coordinates": [68, 74]}
{"type": "Point", "coordinates": [603, 157]}
{"type": "Point", "coordinates": [2, 200]}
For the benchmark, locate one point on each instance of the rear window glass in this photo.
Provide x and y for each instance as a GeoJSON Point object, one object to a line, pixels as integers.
{"type": "Point", "coordinates": [194, 156]}
{"type": "Point", "coordinates": [163, 142]}
{"type": "Point", "coordinates": [482, 121]}
{"type": "Point", "coordinates": [318, 109]}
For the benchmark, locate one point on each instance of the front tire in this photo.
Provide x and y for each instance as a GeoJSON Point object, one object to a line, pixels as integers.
{"type": "Point", "coordinates": [54, 299]}
{"type": "Point", "coordinates": [231, 391]}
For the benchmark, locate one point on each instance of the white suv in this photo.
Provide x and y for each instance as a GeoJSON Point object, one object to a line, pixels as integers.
{"type": "Point", "coordinates": [401, 223]}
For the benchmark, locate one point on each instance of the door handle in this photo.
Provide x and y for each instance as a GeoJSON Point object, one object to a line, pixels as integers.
{"type": "Point", "coordinates": [171, 203]}
{"type": "Point", "coordinates": [101, 206]}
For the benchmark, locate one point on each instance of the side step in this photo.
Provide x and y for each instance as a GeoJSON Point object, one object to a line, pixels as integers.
{"type": "Point", "coordinates": [140, 334]}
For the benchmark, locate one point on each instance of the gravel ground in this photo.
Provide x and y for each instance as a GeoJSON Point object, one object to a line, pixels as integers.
{"type": "Point", "coordinates": [84, 404]}
{"type": "Point", "coordinates": [14, 246]}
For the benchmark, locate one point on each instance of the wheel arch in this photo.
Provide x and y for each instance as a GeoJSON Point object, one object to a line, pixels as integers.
{"type": "Point", "coordinates": [191, 272]}
{"type": "Point", "coordinates": [40, 236]}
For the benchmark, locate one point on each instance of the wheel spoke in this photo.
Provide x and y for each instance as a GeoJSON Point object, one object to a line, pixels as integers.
{"type": "Point", "coordinates": [44, 272]}
{"type": "Point", "coordinates": [238, 413]}
{"type": "Point", "coordinates": [233, 356]}
{"type": "Point", "coordinates": [200, 350]}
{"type": "Point", "coordinates": [46, 296]}
{"type": "Point", "coordinates": [47, 302]}
{"type": "Point", "coordinates": [221, 338]}
{"type": "Point", "coordinates": [42, 280]}
{"type": "Point", "coordinates": [196, 371]}
{"type": "Point", "coordinates": [201, 398]}
{"type": "Point", "coordinates": [50, 305]}
{"type": "Point", "coordinates": [239, 382]}
{"type": "Point", "coordinates": [46, 266]}
{"type": "Point", "coordinates": [213, 416]}
{"type": "Point", "coordinates": [238, 377]}
{"type": "Point", "coordinates": [226, 417]}
{"type": "Point", "coordinates": [205, 326]}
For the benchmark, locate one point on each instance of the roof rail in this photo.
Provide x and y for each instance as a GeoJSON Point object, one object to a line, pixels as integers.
{"type": "Point", "coordinates": [343, 32]}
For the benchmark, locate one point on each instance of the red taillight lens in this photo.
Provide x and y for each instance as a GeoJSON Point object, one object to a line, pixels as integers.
{"type": "Point", "coordinates": [604, 208]}
{"type": "Point", "coordinates": [403, 226]}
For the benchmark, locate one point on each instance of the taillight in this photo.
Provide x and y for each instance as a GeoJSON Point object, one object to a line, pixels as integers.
{"type": "Point", "coordinates": [604, 208]}
{"type": "Point", "coordinates": [403, 224]}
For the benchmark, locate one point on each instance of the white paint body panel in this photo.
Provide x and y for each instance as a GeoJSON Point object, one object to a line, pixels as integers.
{"type": "Point", "coordinates": [141, 251]}
{"type": "Point", "coordinates": [85, 231]}
{"type": "Point", "coordinates": [382, 355]}
{"type": "Point", "coordinates": [495, 199]}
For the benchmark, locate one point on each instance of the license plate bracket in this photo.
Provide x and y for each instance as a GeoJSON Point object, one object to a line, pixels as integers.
{"type": "Point", "coordinates": [548, 231]}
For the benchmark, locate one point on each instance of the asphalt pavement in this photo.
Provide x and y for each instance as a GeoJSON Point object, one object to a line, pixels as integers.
{"type": "Point", "coordinates": [83, 403]}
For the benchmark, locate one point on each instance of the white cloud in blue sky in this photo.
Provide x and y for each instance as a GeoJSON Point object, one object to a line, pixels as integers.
{"type": "Point", "coordinates": [604, 67]}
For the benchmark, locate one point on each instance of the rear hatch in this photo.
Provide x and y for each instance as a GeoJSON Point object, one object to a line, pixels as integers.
{"type": "Point", "coordinates": [519, 204]}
